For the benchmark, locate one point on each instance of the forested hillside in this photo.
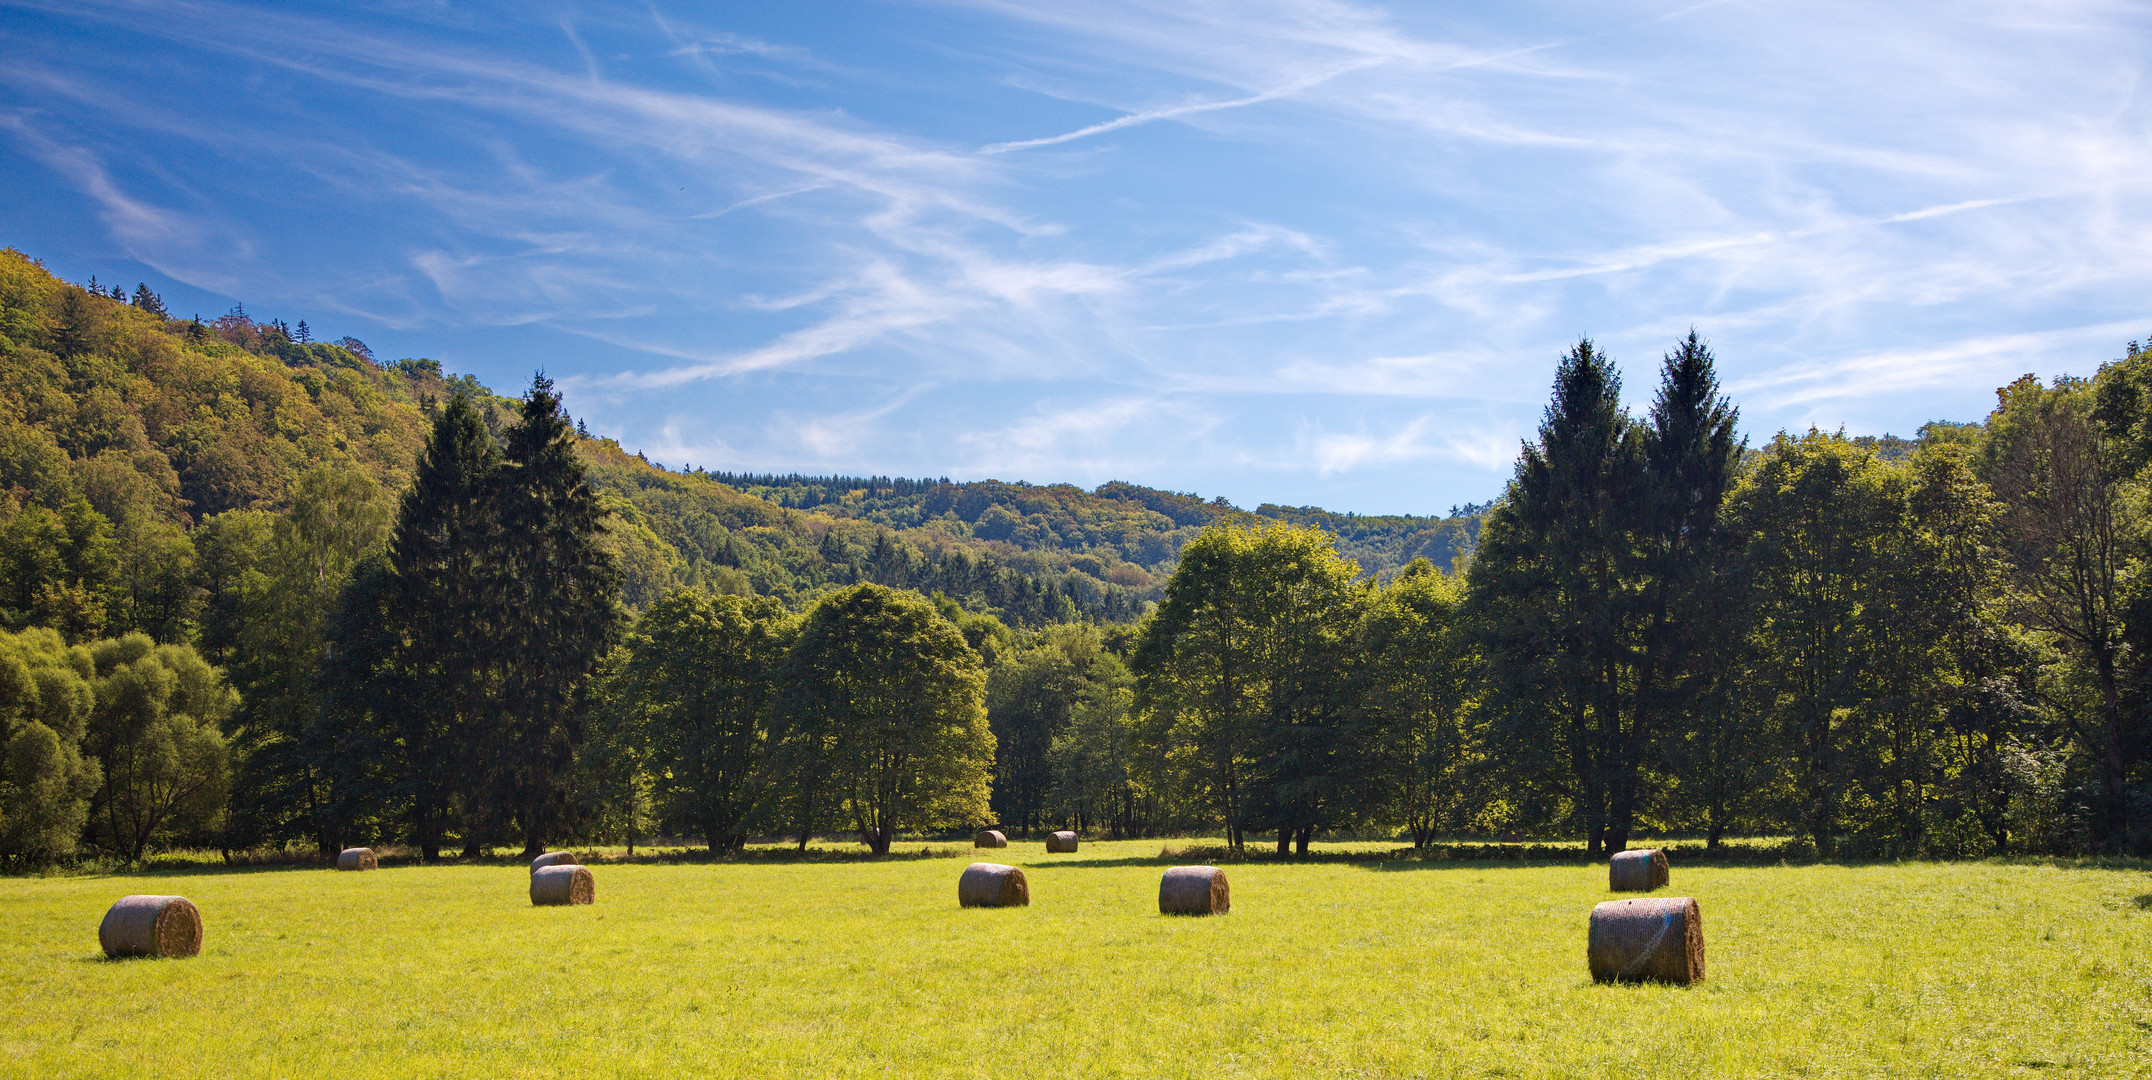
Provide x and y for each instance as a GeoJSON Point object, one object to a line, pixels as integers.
{"type": "Point", "coordinates": [1119, 533]}
{"type": "Point", "coordinates": [124, 428]}
{"type": "Point", "coordinates": [261, 591]}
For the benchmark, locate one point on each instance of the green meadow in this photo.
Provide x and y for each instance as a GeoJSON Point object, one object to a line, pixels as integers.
{"type": "Point", "coordinates": [763, 967]}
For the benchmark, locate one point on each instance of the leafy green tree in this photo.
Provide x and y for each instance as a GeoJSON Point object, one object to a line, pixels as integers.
{"type": "Point", "coordinates": [230, 550]}
{"type": "Point", "coordinates": [1962, 681]}
{"type": "Point", "coordinates": [1553, 595]}
{"type": "Point", "coordinates": [59, 568]}
{"type": "Point", "coordinates": [1030, 696]}
{"type": "Point", "coordinates": [1092, 762]}
{"type": "Point", "coordinates": [612, 782]}
{"type": "Point", "coordinates": [45, 782]}
{"type": "Point", "coordinates": [33, 468]}
{"type": "Point", "coordinates": [338, 518]}
{"type": "Point", "coordinates": [1243, 675]}
{"type": "Point", "coordinates": [157, 730]}
{"type": "Point", "coordinates": [699, 685]}
{"type": "Point", "coordinates": [1820, 516]}
{"type": "Point", "coordinates": [1416, 702]}
{"type": "Point", "coordinates": [2067, 527]}
{"type": "Point", "coordinates": [883, 697]}
{"type": "Point", "coordinates": [156, 581]}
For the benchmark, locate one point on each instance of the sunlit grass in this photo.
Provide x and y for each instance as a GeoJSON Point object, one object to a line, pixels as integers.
{"type": "Point", "coordinates": [820, 969]}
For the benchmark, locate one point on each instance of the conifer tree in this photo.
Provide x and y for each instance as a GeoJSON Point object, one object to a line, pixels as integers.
{"type": "Point", "coordinates": [414, 641]}
{"type": "Point", "coordinates": [1690, 456]}
{"type": "Point", "coordinates": [1552, 596]}
{"type": "Point", "coordinates": [558, 614]}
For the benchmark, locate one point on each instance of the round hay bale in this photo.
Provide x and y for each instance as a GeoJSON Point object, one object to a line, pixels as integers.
{"type": "Point", "coordinates": [986, 884]}
{"type": "Point", "coordinates": [1194, 890]}
{"type": "Point", "coordinates": [1650, 938]}
{"type": "Point", "coordinates": [989, 838]}
{"type": "Point", "coordinates": [1060, 843]}
{"type": "Point", "coordinates": [168, 927]}
{"type": "Point", "coordinates": [1637, 870]}
{"type": "Point", "coordinates": [357, 858]}
{"type": "Point", "coordinates": [554, 858]}
{"type": "Point", "coordinates": [565, 883]}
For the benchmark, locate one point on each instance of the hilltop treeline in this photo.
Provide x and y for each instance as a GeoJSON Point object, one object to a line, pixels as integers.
{"type": "Point", "coordinates": [1119, 532]}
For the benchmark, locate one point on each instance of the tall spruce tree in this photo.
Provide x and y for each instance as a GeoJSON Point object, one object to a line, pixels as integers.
{"type": "Point", "coordinates": [1690, 458]}
{"type": "Point", "coordinates": [558, 613]}
{"type": "Point", "coordinates": [414, 643]}
{"type": "Point", "coordinates": [1553, 599]}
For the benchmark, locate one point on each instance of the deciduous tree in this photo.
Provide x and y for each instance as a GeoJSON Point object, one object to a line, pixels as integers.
{"type": "Point", "coordinates": [885, 696]}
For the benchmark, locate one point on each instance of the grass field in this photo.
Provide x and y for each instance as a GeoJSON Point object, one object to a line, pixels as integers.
{"type": "Point", "coordinates": [869, 968]}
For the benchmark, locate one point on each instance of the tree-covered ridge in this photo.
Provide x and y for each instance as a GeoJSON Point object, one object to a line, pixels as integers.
{"type": "Point", "coordinates": [128, 426]}
{"type": "Point", "coordinates": [1120, 533]}
{"type": "Point", "coordinates": [178, 419]}
{"type": "Point", "coordinates": [686, 528]}
{"type": "Point", "coordinates": [124, 427]}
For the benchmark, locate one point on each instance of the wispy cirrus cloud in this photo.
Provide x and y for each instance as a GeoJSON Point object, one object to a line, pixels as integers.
{"type": "Point", "coordinates": [1292, 250]}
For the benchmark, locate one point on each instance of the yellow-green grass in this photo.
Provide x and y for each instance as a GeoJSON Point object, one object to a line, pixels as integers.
{"type": "Point", "coordinates": [828, 969]}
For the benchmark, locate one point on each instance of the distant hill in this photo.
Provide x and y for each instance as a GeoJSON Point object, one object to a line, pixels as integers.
{"type": "Point", "coordinates": [1109, 532]}
{"type": "Point", "coordinates": [159, 422]}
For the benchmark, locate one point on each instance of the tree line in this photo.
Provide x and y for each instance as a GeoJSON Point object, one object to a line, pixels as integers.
{"type": "Point", "coordinates": [1926, 647]}
{"type": "Point", "coordinates": [1663, 629]}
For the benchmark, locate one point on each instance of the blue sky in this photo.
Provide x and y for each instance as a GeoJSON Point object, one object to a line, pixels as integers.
{"type": "Point", "coordinates": [1297, 252]}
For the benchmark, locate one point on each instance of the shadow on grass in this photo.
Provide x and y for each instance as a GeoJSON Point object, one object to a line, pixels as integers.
{"type": "Point", "coordinates": [1043, 862]}
{"type": "Point", "coordinates": [210, 864]}
{"type": "Point", "coordinates": [1437, 857]}
{"type": "Point", "coordinates": [1461, 856]}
